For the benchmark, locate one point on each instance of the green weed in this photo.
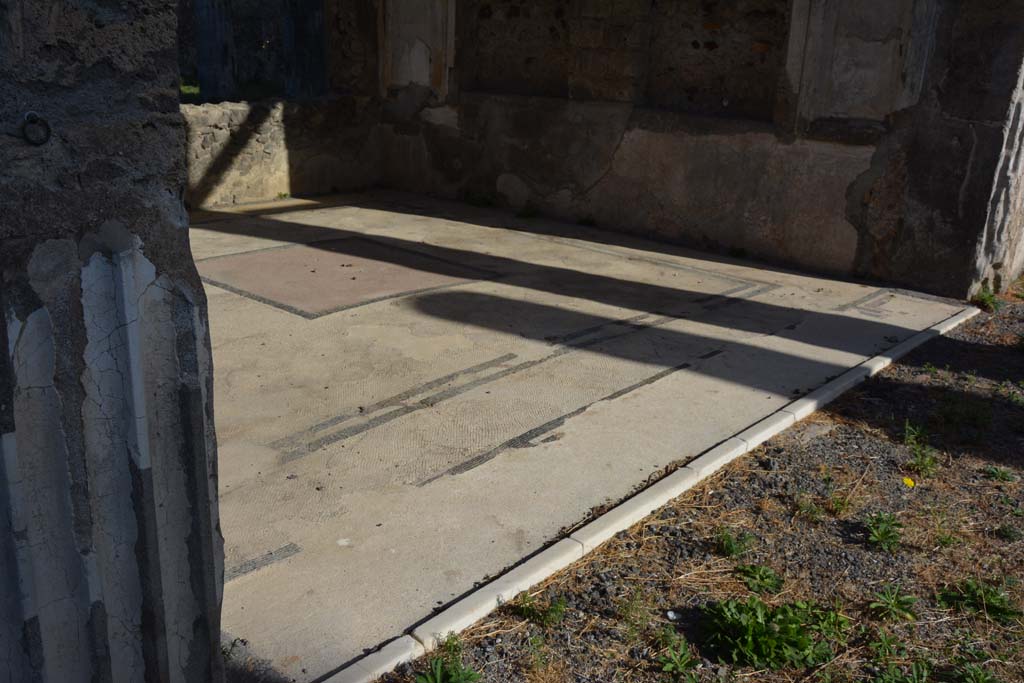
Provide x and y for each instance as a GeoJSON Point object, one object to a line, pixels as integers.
{"type": "Point", "coordinates": [838, 505]}
{"type": "Point", "coordinates": [918, 672]}
{"type": "Point", "coordinates": [1008, 533]}
{"type": "Point", "coordinates": [978, 597]}
{"type": "Point", "coordinates": [958, 414]}
{"type": "Point", "coordinates": [539, 658]}
{"type": "Point", "coordinates": [442, 671]}
{"type": "Point", "coordinates": [887, 646]}
{"type": "Point", "coordinates": [527, 607]}
{"type": "Point", "coordinates": [676, 658]}
{"type": "Point", "coordinates": [884, 531]}
{"type": "Point", "coordinates": [998, 474]}
{"type": "Point", "coordinates": [634, 614]}
{"type": "Point", "coordinates": [791, 635]}
{"type": "Point", "coordinates": [924, 461]}
{"type": "Point", "coordinates": [731, 545]}
{"type": "Point", "coordinates": [987, 300]}
{"type": "Point", "coordinates": [807, 508]}
{"type": "Point", "coordinates": [448, 667]}
{"type": "Point", "coordinates": [760, 579]}
{"type": "Point", "coordinates": [890, 604]}
{"type": "Point", "coordinates": [972, 673]}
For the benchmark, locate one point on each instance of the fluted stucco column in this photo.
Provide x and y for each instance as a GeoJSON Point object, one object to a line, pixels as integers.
{"type": "Point", "coordinates": [110, 549]}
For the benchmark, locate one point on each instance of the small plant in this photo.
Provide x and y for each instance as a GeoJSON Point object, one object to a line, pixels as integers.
{"type": "Point", "coordinates": [960, 414]}
{"type": "Point", "coordinates": [731, 545]}
{"type": "Point", "coordinates": [924, 461]}
{"type": "Point", "coordinates": [931, 369]}
{"type": "Point", "coordinates": [986, 300]}
{"type": "Point", "coordinates": [918, 672]}
{"type": "Point", "coordinates": [808, 509]}
{"type": "Point", "coordinates": [890, 604]}
{"type": "Point", "coordinates": [838, 505]}
{"type": "Point", "coordinates": [526, 607]}
{"type": "Point", "coordinates": [755, 634]}
{"type": "Point", "coordinates": [886, 646]}
{"type": "Point", "coordinates": [539, 659]}
{"type": "Point", "coordinates": [978, 597]}
{"type": "Point", "coordinates": [443, 671]}
{"type": "Point", "coordinates": [448, 668]}
{"type": "Point", "coordinates": [998, 474]}
{"type": "Point", "coordinates": [913, 435]}
{"type": "Point", "coordinates": [1008, 533]}
{"type": "Point", "coordinates": [884, 531]}
{"type": "Point", "coordinates": [676, 658]}
{"type": "Point", "coordinates": [833, 626]}
{"type": "Point", "coordinates": [634, 614]}
{"type": "Point", "coordinates": [946, 539]}
{"type": "Point", "coordinates": [972, 673]}
{"type": "Point", "coordinates": [759, 579]}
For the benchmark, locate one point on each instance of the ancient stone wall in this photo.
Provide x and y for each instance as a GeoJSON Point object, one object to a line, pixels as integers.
{"type": "Point", "coordinates": [242, 152]}
{"type": "Point", "coordinates": [721, 185]}
{"type": "Point", "coordinates": [934, 212]}
{"type": "Point", "coordinates": [296, 48]}
{"type": "Point", "coordinates": [715, 124]}
{"type": "Point", "coordinates": [720, 58]}
{"type": "Point", "coordinates": [685, 55]}
{"type": "Point", "coordinates": [353, 66]}
{"type": "Point", "coordinates": [109, 541]}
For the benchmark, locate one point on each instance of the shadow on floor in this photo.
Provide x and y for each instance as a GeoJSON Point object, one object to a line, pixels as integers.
{"type": "Point", "coordinates": [963, 420]}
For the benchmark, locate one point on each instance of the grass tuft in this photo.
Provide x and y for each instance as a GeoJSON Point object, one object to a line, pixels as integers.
{"type": "Point", "coordinates": [987, 300]}
{"type": "Point", "coordinates": [981, 598]}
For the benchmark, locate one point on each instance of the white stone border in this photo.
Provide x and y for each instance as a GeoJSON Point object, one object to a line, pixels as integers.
{"type": "Point", "coordinates": [482, 601]}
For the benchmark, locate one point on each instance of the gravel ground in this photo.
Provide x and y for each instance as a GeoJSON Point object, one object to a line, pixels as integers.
{"type": "Point", "coordinates": [804, 498]}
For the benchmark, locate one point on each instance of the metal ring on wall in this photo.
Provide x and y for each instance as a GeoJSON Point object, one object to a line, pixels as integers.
{"type": "Point", "coordinates": [35, 129]}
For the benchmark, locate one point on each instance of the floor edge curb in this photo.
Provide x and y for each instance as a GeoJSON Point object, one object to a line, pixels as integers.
{"type": "Point", "coordinates": [485, 599]}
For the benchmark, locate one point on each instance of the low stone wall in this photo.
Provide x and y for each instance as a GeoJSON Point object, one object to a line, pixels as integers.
{"type": "Point", "coordinates": [242, 152]}
{"type": "Point", "coordinates": [708, 183]}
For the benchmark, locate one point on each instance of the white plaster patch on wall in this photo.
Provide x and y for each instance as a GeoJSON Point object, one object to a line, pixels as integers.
{"type": "Point", "coordinates": [9, 453]}
{"type": "Point", "coordinates": [446, 116]}
{"type": "Point", "coordinates": [168, 436]}
{"type": "Point", "coordinates": [110, 416]}
{"type": "Point", "coordinates": [47, 550]}
{"type": "Point", "coordinates": [413, 63]}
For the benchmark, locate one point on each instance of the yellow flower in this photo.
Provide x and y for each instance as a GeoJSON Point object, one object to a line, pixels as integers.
{"type": "Point", "coordinates": [909, 482]}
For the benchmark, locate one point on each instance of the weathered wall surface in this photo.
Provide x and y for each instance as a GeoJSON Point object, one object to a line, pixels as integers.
{"type": "Point", "coordinates": [109, 540]}
{"type": "Point", "coordinates": [688, 55]}
{"type": "Point", "coordinates": [293, 48]}
{"type": "Point", "coordinates": [1001, 252]}
{"type": "Point", "coordinates": [712, 184]}
{"type": "Point", "coordinates": [353, 62]}
{"type": "Point", "coordinates": [872, 139]}
{"type": "Point", "coordinates": [718, 58]}
{"type": "Point", "coordinates": [418, 44]}
{"type": "Point", "coordinates": [241, 152]}
{"type": "Point", "coordinates": [934, 212]}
